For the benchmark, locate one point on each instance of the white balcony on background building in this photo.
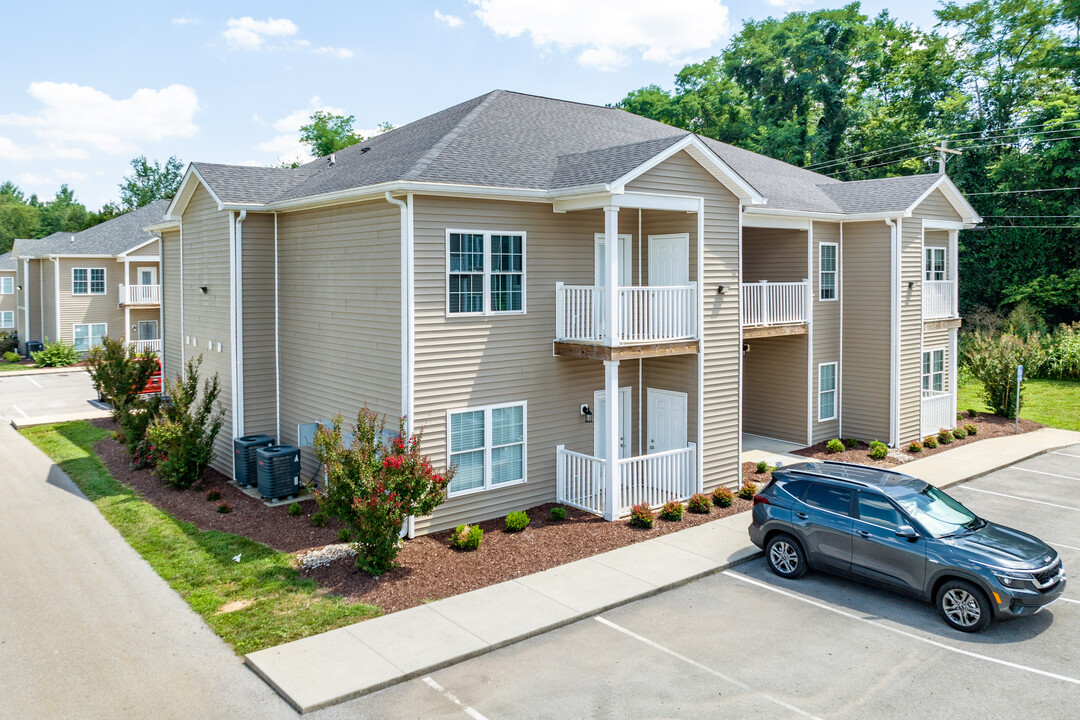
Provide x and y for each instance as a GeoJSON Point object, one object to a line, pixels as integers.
{"type": "Point", "coordinates": [146, 346]}
{"type": "Point", "coordinates": [938, 299]}
{"type": "Point", "coordinates": [775, 303]}
{"type": "Point", "coordinates": [647, 314]}
{"type": "Point", "coordinates": [140, 294]}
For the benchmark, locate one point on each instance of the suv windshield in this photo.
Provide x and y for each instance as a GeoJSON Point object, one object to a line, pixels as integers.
{"type": "Point", "coordinates": [938, 513]}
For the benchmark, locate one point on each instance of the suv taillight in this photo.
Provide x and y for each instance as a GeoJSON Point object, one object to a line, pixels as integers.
{"type": "Point", "coordinates": [761, 500]}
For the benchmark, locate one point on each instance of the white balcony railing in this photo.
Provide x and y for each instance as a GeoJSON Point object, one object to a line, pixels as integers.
{"type": "Point", "coordinates": [938, 299]}
{"type": "Point", "coordinates": [652, 479]}
{"type": "Point", "coordinates": [774, 303]}
{"type": "Point", "coordinates": [140, 294]}
{"type": "Point", "coordinates": [646, 314]}
{"type": "Point", "coordinates": [146, 346]}
{"type": "Point", "coordinates": [936, 412]}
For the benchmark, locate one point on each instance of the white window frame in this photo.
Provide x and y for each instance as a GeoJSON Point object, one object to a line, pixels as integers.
{"type": "Point", "coordinates": [7, 285]}
{"type": "Point", "coordinates": [89, 334]}
{"type": "Point", "coordinates": [487, 272]}
{"type": "Point", "coordinates": [488, 446]}
{"type": "Point", "coordinates": [835, 273]}
{"type": "Point", "coordinates": [835, 391]}
{"type": "Point", "coordinates": [924, 375]}
{"type": "Point", "coordinates": [929, 253]}
{"type": "Point", "coordinates": [6, 324]}
{"type": "Point", "coordinates": [146, 268]}
{"type": "Point", "coordinates": [89, 281]}
{"type": "Point", "coordinates": [138, 329]}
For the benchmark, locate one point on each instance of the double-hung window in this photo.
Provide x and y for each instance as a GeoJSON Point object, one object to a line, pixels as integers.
{"type": "Point", "coordinates": [933, 370]}
{"type": "Point", "coordinates": [7, 319]}
{"type": "Point", "coordinates": [485, 272]}
{"type": "Point", "coordinates": [88, 281]}
{"type": "Point", "coordinates": [88, 335]}
{"type": "Point", "coordinates": [487, 446]}
{"type": "Point", "coordinates": [7, 286]}
{"type": "Point", "coordinates": [934, 264]}
{"type": "Point", "coordinates": [827, 391]}
{"type": "Point", "coordinates": [827, 264]}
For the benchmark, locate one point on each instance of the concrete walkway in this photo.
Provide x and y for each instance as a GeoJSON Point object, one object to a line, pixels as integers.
{"type": "Point", "coordinates": [772, 451]}
{"type": "Point", "coordinates": [87, 628]}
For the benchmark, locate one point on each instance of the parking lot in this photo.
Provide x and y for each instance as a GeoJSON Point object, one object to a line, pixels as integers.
{"type": "Point", "coordinates": [745, 643]}
{"type": "Point", "coordinates": [67, 396]}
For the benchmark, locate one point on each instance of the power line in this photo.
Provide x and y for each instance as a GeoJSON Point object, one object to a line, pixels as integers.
{"type": "Point", "coordinates": [1030, 227]}
{"type": "Point", "coordinates": [1013, 192]}
{"type": "Point", "coordinates": [888, 162]}
{"type": "Point", "coordinates": [994, 217]}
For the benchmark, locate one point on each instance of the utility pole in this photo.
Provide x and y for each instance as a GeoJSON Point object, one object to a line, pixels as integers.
{"type": "Point", "coordinates": [943, 150]}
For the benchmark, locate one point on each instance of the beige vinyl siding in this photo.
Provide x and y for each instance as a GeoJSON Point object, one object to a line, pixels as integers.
{"type": "Point", "coordinates": [49, 300]}
{"type": "Point", "coordinates": [89, 308]}
{"type": "Point", "coordinates": [936, 206]}
{"type": "Point", "coordinates": [826, 330]}
{"type": "Point", "coordinates": [339, 308]}
{"type": "Point", "coordinates": [30, 281]}
{"type": "Point", "coordinates": [774, 255]}
{"type": "Point", "coordinates": [938, 238]}
{"type": "Point", "coordinates": [774, 388]}
{"type": "Point", "coordinates": [169, 277]}
{"type": "Point", "coordinates": [206, 316]}
{"type": "Point", "coordinates": [865, 378]}
{"type": "Point", "coordinates": [260, 398]}
{"type": "Point", "coordinates": [681, 174]}
{"type": "Point", "coordinates": [151, 250]}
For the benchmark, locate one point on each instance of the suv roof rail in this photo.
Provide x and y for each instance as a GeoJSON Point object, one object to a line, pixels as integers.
{"type": "Point", "coordinates": [811, 473]}
{"type": "Point", "coordinates": [857, 465]}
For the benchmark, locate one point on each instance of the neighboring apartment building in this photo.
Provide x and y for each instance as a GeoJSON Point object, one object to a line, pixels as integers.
{"type": "Point", "coordinates": [459, 270]}
{"type": "Point", "coordinates": [7, 293]}
{"type": "Point", "coordinates": [103, 281]}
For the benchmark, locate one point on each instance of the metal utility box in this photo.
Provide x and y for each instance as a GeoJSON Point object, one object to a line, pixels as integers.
{"type": "Point", "coordinates": [244, 467]}
{"type": "Point", "coordinates": [279, 471]}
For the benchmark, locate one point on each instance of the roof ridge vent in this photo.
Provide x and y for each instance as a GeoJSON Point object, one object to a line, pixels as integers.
{"type": "Point", "coordinates": [332, 160]}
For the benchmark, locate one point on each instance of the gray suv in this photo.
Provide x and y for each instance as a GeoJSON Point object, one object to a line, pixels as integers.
{"type": "Point", "coordinates": [901, 533]}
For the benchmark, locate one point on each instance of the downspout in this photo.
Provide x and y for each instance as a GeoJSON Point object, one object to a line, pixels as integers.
{"type": "Point", "coordinates": [277, 349]}
{"type": "Point", "coordinates": [407, 329]}
{"type": "Point", "coordinates": [238, 328]}
{"type": "Point", "coordinates": [894, 331]}
{"type": "Point", "coordinates": [183, 351]}
{"type": "Point", "coordinates": [25, 334]}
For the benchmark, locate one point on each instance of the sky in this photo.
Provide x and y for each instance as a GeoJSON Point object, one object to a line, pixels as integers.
{"type": "Point", "coordinates": [89, 86]}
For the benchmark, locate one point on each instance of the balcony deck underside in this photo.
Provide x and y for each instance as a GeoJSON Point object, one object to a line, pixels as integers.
{"type": "Point", "coordinates": [942, 324]}
{"type": "Point", "coordinates": [595, 351]}
{"type": "Point", "coordinates": [751, 332]}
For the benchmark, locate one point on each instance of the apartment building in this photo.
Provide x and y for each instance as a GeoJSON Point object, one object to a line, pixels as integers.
{"type": "Point", "coordinates": [7, 293]}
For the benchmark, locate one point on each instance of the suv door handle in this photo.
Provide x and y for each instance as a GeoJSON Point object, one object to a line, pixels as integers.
{"type": "Point", "coordinates": [801, 515]}
{"type": "Point", "coordinates": [862, 533]}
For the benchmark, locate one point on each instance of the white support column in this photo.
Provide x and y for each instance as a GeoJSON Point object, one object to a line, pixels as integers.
{"type": "Point", "coordinates": [952, 371]}
{"type": "Point", "coordinates": [953, 270]}
{"type": "Point", "coordinates": [127, 324]}
{"type": "Point", "coordinates": [611, 440]}
{"type": "Point", "coordinates": [611, 278]}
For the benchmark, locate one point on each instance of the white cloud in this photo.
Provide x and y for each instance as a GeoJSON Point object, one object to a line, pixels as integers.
{"type": "Point", "coordinates": [185, 21]}
{"type": "Point", "coordinates": [787, 4]}
{"type": "Point", "coordinates": [78, 117]}
{"type": "Point", "coordinates": [606, 31]}
{"type": "Point", "coordinates": [342, 53]}
{"type": "Point", "coordinates": [451, 20]}
{"type": "Point", "coordinates": [51, 179]}
{"type": "Point", "coordinates": [247, 33]}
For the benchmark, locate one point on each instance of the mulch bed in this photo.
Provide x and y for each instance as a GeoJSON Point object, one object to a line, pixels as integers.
{"type": "Point", "coordinates": [428, 568]}
{"type": "Point", "coordinates": [989, 426]}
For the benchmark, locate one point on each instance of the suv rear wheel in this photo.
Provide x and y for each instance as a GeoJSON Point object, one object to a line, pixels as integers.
{"type": "Point", "coordinates": [785, 556]}
{"type": "Point", "coordinates": [963, 606]}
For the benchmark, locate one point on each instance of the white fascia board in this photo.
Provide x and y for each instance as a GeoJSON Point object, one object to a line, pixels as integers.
{"type": "Point", "coordinates": [628, 200]}
{"type": "Point", "coordinates": [166, 225]}
{"type": "Point", "coordinates": [970, 218]}
{"type": "Point", "coordinates": [814, 215]}
{"type": "Point", "coordinates": [929, 224]}
{"type": "Point", "coordinates": [780, 222]}
{"type": "Point", "coordinates": [141, 245]}
{"type": "Point", "coordinates": [187, 189]}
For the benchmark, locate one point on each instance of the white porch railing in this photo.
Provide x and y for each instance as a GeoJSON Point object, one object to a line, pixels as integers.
{"type": "Point", "coordinates": [140, 294]}
{"type": "Point", "coordinates": [646, 314]}
{"type": "Point", "coordinates": [938, 299]}
{"type": "Point", "coordinates": [774, 303]}
{"type": "Point", "coordinates": [145, 346]}
{"type": "Point", "coordinates": [936, 412]}
{"type": "Point", "coordinates": [653, 479]}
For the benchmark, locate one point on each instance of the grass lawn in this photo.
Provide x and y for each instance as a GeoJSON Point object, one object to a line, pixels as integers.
{"type": "Point", "coordinates": [273, 603]}
{"type": "Point", "coordinates": [6, 367]}
{"type": "Point", "coordinates": [1055, 403]}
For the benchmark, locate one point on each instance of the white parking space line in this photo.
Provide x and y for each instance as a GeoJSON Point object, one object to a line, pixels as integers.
{"type": "Point", "coordinates": [1058, 452]}
{"type": "Point", "coordinates": [35, 382]}
{"type": "Point", "coordinates": [471, 712]}
{"type": "Point", "coordinates": [1016, 497]}
{"type": "Point", "coordinates": [1067, 547]}
{"type": "Point", "coordinates": [19, 410]}
{"type": "Point", "coordinates": [1040, 472]}
{"type": "Point", "coordinates": [1070, 600]}
{"type": "Point", "coordinates": [898, 631]}
{"type": "Point", "coordinates": [703, 668]}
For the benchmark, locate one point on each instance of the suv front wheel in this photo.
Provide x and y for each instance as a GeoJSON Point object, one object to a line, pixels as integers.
{"type": "Point", "coordinates": [963, 606]}
{"type": "Point", "coordinates": [785, 556]}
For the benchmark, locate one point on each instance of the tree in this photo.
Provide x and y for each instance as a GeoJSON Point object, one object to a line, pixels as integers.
{"type": "Point", "coordinates": [62, 214]}
{"type": "Point", "coordinates": [18, 219]}
{"type": "Point", "coordinates": [150, 181]}
{"type": "Point", "coordinates": [327, 133]}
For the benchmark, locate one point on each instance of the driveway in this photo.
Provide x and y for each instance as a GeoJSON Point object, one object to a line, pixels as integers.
{"type": "Point", "coordinates": [45, 396]}
{"type": "Point", "coordinates": [745, 643]}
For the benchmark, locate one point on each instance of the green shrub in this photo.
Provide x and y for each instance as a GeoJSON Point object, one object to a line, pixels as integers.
{"type": "Point", "coordinates": [722, 497]}
{"type": "Point", "coordinates": [672, 511]}
{"type": "Point", "coordinates": [972, 413]}
{"type": "Point", "coordinates": [517, 521]}
{"type": "Point", "coordinates": [466, 537]}
{"type": "Point", "coordinates": [12, 357]}
{"type": "Point", "coordinates": [224, 508]}
{"type": "Point", "coordinates": [319, 518]}
{"type": "Point", "coordinates": [971, 429]}
{"type": "Point", "coordinates": [185, 430]}
{"type": "Point", "coordinates": [699, 504]}
{"type": "Point", "coordinates": [878, 449]}
{"type": "Point", "coordinates": [119, 374]}
{"type": "Point", "coordinates": [993, 360]}
{"type": "Point", "coordinates": [558, 513]}
{"type": "Point", "coordinates": [748, 491]}
{"type": "Point", "coordinates": [834, 446]}
{"type": "Point", "coordinates": [851, 443]}
{"type": "Point", "coordinates": [213, 494]}
{"type": "Point", "coordinates": [56, 354]}
{"type": "Point", "coordinates": [641, 516]}
{"type": "Point", "coordinates": [344, 535]}
{"type": "Point", "coordinates": [8, 343]}
{"type": "Point", "coordinates": [944, 436]}
{"type": "Point", "coordinates": [295, 510]}
{"type": "Point", "coordinates": [929, 442]}
{"type": "Point", "coordinates": [134, 422]}
{"type": "Point", "coordinates": [915, 447]}
{"type": "Point", "coordinates": [959, 433]}
{"type": "Point", "coordinates": [762, 466]}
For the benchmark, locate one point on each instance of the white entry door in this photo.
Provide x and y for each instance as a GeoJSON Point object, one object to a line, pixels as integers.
{"type": "Point", "coordinates": [669, 260]}
{"type": "Point", "coordinates": [148, 276]}
{"type": "Point", "coordinates": [666, 420]}
{"type": "Point", "coordinates": [600, 423]}
{"type": "Point", "coordinates": [625, 243]}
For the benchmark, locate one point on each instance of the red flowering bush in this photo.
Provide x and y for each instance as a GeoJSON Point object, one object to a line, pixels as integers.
{"type": "Point", "coordinates": [642, 516]}
{"type": "Point", "coordinates": [374, 484]}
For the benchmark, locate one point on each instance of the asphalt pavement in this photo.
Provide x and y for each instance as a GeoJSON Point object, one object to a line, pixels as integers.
{"type": "Point", "coordinates": [27, 399]}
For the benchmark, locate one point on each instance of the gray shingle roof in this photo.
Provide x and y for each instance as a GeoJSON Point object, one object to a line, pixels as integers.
{"type": "Point", "coordinates": [109, 238]}
{"type": "Point", "coordinates": [7, 262]}
{"type": "Point", "coordinates": [512, 140]}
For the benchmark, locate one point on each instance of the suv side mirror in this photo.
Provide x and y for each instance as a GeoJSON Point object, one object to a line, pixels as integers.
{"type": "Point", "coordinates": [906, 531]}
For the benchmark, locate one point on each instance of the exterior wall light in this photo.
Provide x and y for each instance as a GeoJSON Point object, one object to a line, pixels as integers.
{"type": "Point", "coordinates": [586, 412]}
{"type": "Point", "coordinates": [720, 289]}
{"type": "Point", "coordinates": [203, 289]}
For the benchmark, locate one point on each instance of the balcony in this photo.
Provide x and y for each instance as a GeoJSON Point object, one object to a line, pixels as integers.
{"type": "Point", "coordinates": [140, 294]}
{"type": "Point", "coordinates": [936, 412]}
{"type": "Point", "coordinates": [938, 299]}
{"type": "Point", "coordinates": [651, 479]}
{"type": "Point", "coordinates": [146, 346]}
{"type": "Point", "coordinates": [647, 315]}
{"type": "Point", "coordinates": [775, 308]}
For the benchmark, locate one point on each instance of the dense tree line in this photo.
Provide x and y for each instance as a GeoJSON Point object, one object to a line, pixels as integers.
{"type": "Point", "coordinates": [858, 97]}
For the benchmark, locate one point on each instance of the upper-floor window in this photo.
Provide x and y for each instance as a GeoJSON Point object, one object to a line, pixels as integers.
{"type": "Point", "coordinates": [485, 272]}
{"type": "Point", "coordinates": [7, 286]}
{"type": "Point", "coordinates": [487, 446]}
{"type": "Point", "coordinates": [934, 264]}
{"type": "Point", "coordinates": [827, 271]}
{"type": "Point", "coordinates": [933, 370]}
{"type": "Point", "coordinates": [88, 281]}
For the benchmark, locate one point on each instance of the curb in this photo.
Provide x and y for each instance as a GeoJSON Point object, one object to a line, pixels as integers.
{"type": "Point", "coordinates": [984, 473]}
{"type": "Point", "coordinates": [42, 371]}
{"type": "Point", "coordinates": [23, 423]}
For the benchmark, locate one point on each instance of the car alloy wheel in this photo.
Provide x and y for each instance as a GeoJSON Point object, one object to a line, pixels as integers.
{"type": "Point", "coordinates": [785, 557]}
{"type": "Point", "coordinates": [963, 606]}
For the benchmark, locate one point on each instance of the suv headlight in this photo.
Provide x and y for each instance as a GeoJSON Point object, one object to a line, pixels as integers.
{"type": "Point", "coordinates": [1015, 579]}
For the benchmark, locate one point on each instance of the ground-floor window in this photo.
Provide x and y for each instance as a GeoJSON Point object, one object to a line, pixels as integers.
{"type": "Point", "coordinates": [7, 319]}
{"type": "Point", "coordinates": [88, 335]}
{"type": "Point", "coordinates": [148, 330]}
{"type": "Point", "coordinates": [933, 370]}
{"type": "Point", "coordinates": [827, 391]}
{"type": "Point", "coordinates": [487, 445]}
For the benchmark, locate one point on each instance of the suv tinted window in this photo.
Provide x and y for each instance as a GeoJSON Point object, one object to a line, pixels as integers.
{"type": "Point", "coordinates": [796, 488]}
{"type": "Point", "coordinates": [876, 509]}
{"type": "Point", "coordinates": [829, 497]}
